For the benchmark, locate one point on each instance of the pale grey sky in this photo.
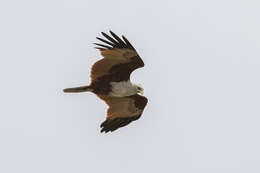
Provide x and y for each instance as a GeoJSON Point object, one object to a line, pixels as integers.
{"type": "Point", "coordinates": [201, 78]}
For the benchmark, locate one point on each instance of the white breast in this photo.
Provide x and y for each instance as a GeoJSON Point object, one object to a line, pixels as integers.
{"type": "Point", "coordinates": [122, 89]}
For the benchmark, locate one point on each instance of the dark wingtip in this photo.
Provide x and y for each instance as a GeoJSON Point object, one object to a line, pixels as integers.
{"type": "Point", "coordinates": [103, 33]}
{"type": "Point", "coordinates": [111, 32]}
{"type": "Point", "coordinates": [104, 130]}
{"type": "Point", "coordinates": [111, 125]}
{"type": "Point", "coordinates": [102, 45]}
{"type": "Point", "coordinates": [99, 48]}
{"type": "Point", "coordinates": [115, 41]}
{"type": "Point", "coordinates": [129, 45]}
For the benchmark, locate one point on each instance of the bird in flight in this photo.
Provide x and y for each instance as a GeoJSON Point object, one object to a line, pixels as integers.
{"type": "Point", "coordinates": [110, 81]}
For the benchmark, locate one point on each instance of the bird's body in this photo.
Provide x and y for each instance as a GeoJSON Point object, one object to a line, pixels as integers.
{"type": "Point", "coordinates": [110, 81]}
{"type": "Point", "coordinates": [122, 89]}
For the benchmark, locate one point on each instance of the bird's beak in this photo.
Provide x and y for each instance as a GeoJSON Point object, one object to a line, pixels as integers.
{"type": "Point", "coordinates": [142, 92]}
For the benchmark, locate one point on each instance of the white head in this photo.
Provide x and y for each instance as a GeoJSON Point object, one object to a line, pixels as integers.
{"type": "Point", "coordinates": [139, 88]}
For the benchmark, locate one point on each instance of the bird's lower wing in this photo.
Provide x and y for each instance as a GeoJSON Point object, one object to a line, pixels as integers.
{"type": "Point", "coordinates": [122, 111]}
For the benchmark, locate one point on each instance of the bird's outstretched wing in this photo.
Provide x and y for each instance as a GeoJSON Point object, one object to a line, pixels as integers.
{"type": "Point", "coordinates": [120, 59]}
{"type": "Point", "coordinates": [122, 111]}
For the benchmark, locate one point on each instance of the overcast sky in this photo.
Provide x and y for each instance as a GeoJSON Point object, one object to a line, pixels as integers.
{"type": "Point", "coordinates": [201, 78]}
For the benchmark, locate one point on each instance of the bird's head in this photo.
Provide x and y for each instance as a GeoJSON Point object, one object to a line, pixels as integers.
{"type": "Point", "coordinates": [139, 89]}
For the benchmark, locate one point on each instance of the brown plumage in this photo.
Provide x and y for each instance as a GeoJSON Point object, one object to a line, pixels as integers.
{"type": "Point", "coordinates": [122, 111]}
{"type": "Point", "coordinates": [120, 59]}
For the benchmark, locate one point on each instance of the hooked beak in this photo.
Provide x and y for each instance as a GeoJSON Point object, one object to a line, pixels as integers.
{"type": "Point", "coordinates": [142, 92]}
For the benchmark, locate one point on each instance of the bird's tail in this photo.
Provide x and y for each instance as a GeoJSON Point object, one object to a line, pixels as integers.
{"type": "Point", "coordinates": [78, 89]}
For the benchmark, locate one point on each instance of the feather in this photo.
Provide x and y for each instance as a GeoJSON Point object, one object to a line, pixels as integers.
{"type": "Point", "coordinates": [109, 38]}
{"type": "Point", "coordinates": [128, 43]}
{"type": "Point", "coordinates": [107, 42]}
{"type": "Point", "coordinates": [122, 44]}
{"type": "Point", "coordinates": [99, 48]}
{"type": "Point", "coordinates": [108, 47]}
